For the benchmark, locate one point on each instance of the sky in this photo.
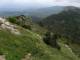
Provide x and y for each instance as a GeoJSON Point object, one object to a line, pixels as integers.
{"type": "Point", "coordinates": [19, 4]}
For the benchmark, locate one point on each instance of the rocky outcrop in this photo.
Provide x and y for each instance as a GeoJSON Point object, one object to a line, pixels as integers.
{"type": "Point", "coordinates": [4, 24]}
{"type": "Point", "coordinates": [2, 57]}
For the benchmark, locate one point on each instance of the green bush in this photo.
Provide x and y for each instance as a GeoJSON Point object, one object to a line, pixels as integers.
{"type": "Point", "coordinates": [22, 21]}
{"type": "Point", "coordinates": [27, 26]}
{"type": "Point", "coordinates": [12, 19]}
{"type": "Point", "coordinates": [1, 53]}
{"type": "Point", "coordinates": [51, 39]}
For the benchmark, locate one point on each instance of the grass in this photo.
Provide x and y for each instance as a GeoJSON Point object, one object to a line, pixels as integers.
{"type": "Point", "coordinates": [76, 49]}
{"type": "Point", "coordinates": [15, 47]}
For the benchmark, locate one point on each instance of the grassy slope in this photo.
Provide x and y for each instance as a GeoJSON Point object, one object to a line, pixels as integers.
{"type": "Point", "coordinates": [76, 49]}
{"type": "Point", "coordinates": [15, 47]}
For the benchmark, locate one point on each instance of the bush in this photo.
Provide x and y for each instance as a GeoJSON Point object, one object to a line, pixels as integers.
{"type": "Point", "coordinates": [12, 19]}
{"type": "Point", "coordinates": [22, 21]}
{"type": "Point", "coordinates": [1, 53]}
{"type": "Point", "coordinates": [27, 27]}
{"type": "Point", "coordinates": [47, 38]}
{"type": "Point", "coordinates": [51, 40]}
{"type": "Point", "coordinates": [40, 24]}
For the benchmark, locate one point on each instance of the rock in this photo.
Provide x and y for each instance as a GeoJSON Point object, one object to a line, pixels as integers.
{"type": "Point", "coordinates": [2, 20]}
{"type": "Point", "coordinates": [2, 57]}
{"type": "Point", "coordinates": [27, 57]}
{"type": "Point", "coordinates": [7, 25]}
{"type": "Point", "coordinates": [15, 31]}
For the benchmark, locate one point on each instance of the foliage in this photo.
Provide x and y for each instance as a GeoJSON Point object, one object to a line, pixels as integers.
{"type": "Point", "coordinates": [51, 39]}
{"type": "Point", "coordinates": [66, 23]}
{"type": "Point", "coordinates": [21, 20]}
{"type": "Point", "coordinates": [40, 24]}
{"type": "Point", "coordinates": [15, 47]}
{"type": "Point", "coordinates": [12, 19]}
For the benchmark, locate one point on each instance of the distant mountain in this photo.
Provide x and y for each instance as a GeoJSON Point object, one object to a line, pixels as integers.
{"type": "Point", "coordinates": [66, 23]}
{"type": "Point", "coordinates": [41, 12]}
{"type": "Point", "coordinates": [13, 13]}
{"type": "Point", "coordinates": [44, 12]}
{"type": "Point", "coordinates": [72, 8]}
{"type": "Point", "coordinates": [16, 11]}
{"type": "Point", "coordinates": [36, 19]}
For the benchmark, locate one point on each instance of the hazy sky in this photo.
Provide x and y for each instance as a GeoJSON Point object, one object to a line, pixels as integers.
{"type": "Point", "coordinates": [37, 3]}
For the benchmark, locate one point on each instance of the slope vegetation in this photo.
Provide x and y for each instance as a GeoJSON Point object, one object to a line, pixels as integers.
{"type": "Point", "coordinates": [30, 46]}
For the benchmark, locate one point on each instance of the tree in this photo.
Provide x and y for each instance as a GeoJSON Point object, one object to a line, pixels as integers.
{"type": "Point", "coordinates": [51, 39]}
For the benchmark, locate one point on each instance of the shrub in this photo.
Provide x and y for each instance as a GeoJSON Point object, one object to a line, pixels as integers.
{"type": "Point", "coordinates": [51, 40]}
{"type": "Point", "coordinates": [27, 26]}
{"type": "Point", "coordinates": [22, 21]}
{"type": "Point", "coordinates": [1, 53]}
{"type": "Point", "coordinates": [12, 19]}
